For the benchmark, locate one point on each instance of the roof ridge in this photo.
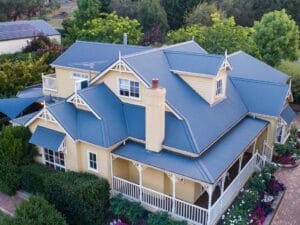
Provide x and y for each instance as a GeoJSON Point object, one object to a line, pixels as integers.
{"type": "Point", "coordinates": [112, 44]}
{"type": "Point", "coordinates": [157, 49]}
{"type": "Point", "coordinates": [193, 53]}
{"type": "Point", "coordinates": [258, 81]}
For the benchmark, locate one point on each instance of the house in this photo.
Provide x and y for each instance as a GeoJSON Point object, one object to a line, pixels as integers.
{"type": "Point", "coordinates": [14, 36]}
{"type": "Point", "coordinates": [176, 128]}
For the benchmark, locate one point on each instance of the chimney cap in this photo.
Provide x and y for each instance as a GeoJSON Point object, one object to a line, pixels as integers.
{"type": "Point", "coordinates": [155, 82]}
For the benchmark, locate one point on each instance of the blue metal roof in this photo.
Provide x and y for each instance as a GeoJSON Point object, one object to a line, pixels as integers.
{"type": "Point", "coordinates": [262, 97]}
{"type": "Point", "coordinates": [30, 92]}
{"type": "Point", "coordinates": [191, 62]}
{"type": "Point", "coordinates": [25, 29]}
{"type": "Point", "coordinates": [94, 56]}
{"type": "Point", "coordinates": [210, 165]}
{"type": "Point", "coordinates": [47, 138]}
{"type": "Point", "coordinates": [23, 120]}
{"type": "Point", "coordinates": [248, 67]}
{"type": "Point", "coordinates": [206, 123]}
{"type": "Point", "coordinates": [12, 107]}
{"type": "Point", "coordinates": [288, 114]}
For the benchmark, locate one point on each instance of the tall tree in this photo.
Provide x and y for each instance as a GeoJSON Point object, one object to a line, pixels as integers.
{"type": "Point", "coordinates": [176, 9]}
{"type": "Point", "coordinates": [151, 14]}
{"type": "Point", "coordinates": [110, 28]}
{"type": "Point", "coordinates": [277, 36]}
{"type": "Point", "coordinates": [201, 14]}
{"type": "Point", "coordinates": [124, 8]}
{"type": "Point", "coordinates": [87, 10]}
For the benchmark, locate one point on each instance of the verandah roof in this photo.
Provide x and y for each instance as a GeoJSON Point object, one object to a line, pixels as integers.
{"type": "Point", "coordinates": [209, 166]}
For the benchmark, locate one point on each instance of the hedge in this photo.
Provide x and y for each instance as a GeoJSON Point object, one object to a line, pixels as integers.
{"type": "Point", "coordinates": [81, 197]}
{"type": "Point", "coordinates": [163, 218]}
{"type": "Point", "coordinates": [36, 211]}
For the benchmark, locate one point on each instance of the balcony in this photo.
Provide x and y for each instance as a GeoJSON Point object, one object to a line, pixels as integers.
{"type": "Point", "coordinates": [49, 82]}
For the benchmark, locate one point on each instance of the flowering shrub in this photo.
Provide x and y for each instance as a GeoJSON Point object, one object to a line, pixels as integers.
{"type": "Point", "coordinates": [274, 187]}
{"type": "Point", "coordinates": [257, 216]}
{"type": "Point", "coordinates": [121, 223]}
{"type": "Point", "coordinates": [285, 159]}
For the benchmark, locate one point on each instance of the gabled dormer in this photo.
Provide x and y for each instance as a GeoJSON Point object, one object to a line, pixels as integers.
{"type": "Point", "coordinates": [205, 73]}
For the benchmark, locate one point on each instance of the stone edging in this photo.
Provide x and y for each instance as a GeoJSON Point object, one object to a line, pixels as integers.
{"type": "Point", "coordinates": [275, 206]}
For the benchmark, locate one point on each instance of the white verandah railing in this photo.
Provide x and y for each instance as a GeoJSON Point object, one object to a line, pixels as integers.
{"type": "Point", "coordinates": [49, 82]}
{"type": "Point", "coordinates": [160, 201]}
{"type": "Point", "coordinates": [267, 151]}
{"type": "Point", "coordinates": [185, 210]}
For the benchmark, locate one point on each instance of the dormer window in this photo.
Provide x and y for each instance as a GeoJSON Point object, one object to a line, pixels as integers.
{"type": "Point", "coordinates": [129, 88]}
{"type": "Point", "coordinates": [219, 88]}
{"type": "Point", "coordinates": [80, 76]}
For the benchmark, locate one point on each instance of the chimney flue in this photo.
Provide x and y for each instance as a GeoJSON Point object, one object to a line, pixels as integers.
{"type": "Point", "coordinates": [155, 83]}
{"type": "Point", "coordinates": [125, 38]}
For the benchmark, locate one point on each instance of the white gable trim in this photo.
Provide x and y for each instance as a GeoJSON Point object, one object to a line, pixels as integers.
{"type": "Point", "coordinates": [77, 100]}
{"type": "Point", "coordinates": [185, 73]}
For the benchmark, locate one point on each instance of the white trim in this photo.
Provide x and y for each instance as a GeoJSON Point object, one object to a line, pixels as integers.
{"type": "Point", "coordinates": [89, 160]}
{"type": "Point", "coordinates": [179, 72]}
{"type": "Point", "coordinates": [73, 68]}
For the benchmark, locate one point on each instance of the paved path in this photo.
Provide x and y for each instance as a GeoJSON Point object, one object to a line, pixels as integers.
{"type": "Point", "coordinates": [289, 209]}
{"type": "Point", "coordinates": [8, 204]}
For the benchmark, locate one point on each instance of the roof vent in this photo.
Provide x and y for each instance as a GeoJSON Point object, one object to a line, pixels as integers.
{"type": "Point", "coordinates": [155, 83]}
{"type": "Point", "coordinates": [125, 37]}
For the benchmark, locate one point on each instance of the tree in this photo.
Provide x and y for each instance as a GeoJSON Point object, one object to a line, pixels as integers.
{"type": "Point", "coordinates": [293, 70]}
{"type": "Point", "coordinates": [37, 211]}
{"type": "Point", "coordinates": [110, 28]}
{"type": "Point", "coordinates": [277, 37]}
{"type": "Point", "coordinates": [124, 8]}
{"type": "Point", "coordinates": [221, 36]}
{"type": "Point", "coordinates": [153, 36]}
{"type": "Point", "coordinates": [201, 14]}
{"type": "Point", "coordinates": [176, 9]}
{"type": "Point", "coordinates": [87, 10]}
{"type": "Point", "coordinates": [15, 151]}
{"type": "Point", "coordinates": [151, 14]}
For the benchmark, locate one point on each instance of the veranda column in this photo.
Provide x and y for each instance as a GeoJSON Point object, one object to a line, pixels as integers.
{"type": "Point", "coordinates": [210, 192]}
{"type": "Point", "coordinates": [240, 162]}
{"type": "Point", "coordinates": [173, 192]}
{"type": "Point", "coordinates": [140, 168]}
{"type": "Point", "coordinates": [254, 147]}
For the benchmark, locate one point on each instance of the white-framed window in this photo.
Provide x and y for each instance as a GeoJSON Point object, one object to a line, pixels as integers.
{"type": "Point", "coordinates": [92, 161]}
{"type": "Point", "coordinates": [219, 87]}
{"type": "Point", "coordinates": [129, 88]}
{"type": "Point", "coordinates": [55, 160]}
{"type": "Point", "coordinates": [80, 76]}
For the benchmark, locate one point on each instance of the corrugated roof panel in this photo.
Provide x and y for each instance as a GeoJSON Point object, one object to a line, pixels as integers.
{"type": "Point", "coordinates": [47, 138]}
{"type": "Point", "coordinates": [288, 114]}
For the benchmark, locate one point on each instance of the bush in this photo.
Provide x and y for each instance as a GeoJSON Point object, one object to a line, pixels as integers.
{"type": "Point", "coordinates": [33, 177]}
{"type": "Point", "coordinates": [37, 211]}
{"type": "Point", "coordinates": [163, 218]}
{"type": "Point", "coordinates": [15, 151]}
{"type": "Point", "coordinates": [82, 198]}
{"type": "Point", "coordinates": [131, 210]}
{"type": "Point", "coordinates": [284, 149]}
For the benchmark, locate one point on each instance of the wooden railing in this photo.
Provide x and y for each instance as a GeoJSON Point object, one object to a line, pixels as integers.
{"type": "Point", "coordinates": [232, 191]}
{"type": "Point", "coordinates": [267, 151]}
{"type": "Point", "coordinates": [49, 82]}
{"type": "Point", "coordinates": [160, 201]}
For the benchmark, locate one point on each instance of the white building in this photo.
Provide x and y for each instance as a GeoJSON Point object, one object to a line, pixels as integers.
{"type": "Point", "coordinates": [14, 36]}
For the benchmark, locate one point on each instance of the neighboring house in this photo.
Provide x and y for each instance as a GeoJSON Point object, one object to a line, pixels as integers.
{"type": "Point", "coordinates": [14, 36]}
{"type": "Point", "coordinates": [175, 128]}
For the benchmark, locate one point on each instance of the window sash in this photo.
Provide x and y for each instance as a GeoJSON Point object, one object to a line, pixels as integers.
{"type": "Point", "coordinates": [55, 160]}
{"type": "Point", "coordinates": [129, 88]}
{"type": "Point", "coordinates": [93, 161]}
{"type": "Point", "coordinates": [219, 89]}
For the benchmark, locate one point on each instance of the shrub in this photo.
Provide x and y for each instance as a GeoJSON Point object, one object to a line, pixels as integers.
{"type": "Point", "coordinates": [284, 149]}
{"type": "Point", "coordinates": [33, 177]}
{"type": "Point", "coordinates": [131, 210]}
{"type": "Point", "coordinates": [163, 218]}
{"type": "Point", "coordinates": [37, 211]}
{"type": "Point", "coordinates": [82, 198]}
{"type": "Point", "coordinates": [15, 151]}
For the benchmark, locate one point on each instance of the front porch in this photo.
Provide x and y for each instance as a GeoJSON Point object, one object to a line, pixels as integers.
{"type": "Point", "coordinates": [184, 198]}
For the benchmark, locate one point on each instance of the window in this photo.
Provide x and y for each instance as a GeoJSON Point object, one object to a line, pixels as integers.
{"type": "Point", "coordinates": [80, 76]}
{"type": "Point", "coordinates": [129, 88]}
{"type": "Point", "coordinates": [92, 161]}
{"type": "Point", "coordinates": [54, 160]}
{"type": "Point", "coordinates": [219, 90]}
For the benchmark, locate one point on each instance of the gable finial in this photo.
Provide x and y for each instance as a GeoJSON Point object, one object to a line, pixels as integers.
{"type": "Point", "coordinates": [226, 54]}
{"type": "Point", "coordinates": [193, 38]}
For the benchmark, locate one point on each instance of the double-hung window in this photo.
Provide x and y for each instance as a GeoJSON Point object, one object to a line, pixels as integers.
{"type": "Point", "coordinates": [54, 160]}
{"type": "Point", "coordinates": [219, 87]}
{"type": "Point", "coordinates": [129, 88]}
{"type": "Point", "coordinates": [92, 161]}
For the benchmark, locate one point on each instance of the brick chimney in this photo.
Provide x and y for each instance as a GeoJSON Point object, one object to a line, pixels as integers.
{"type": "Point", "coordinates": [155, 116]}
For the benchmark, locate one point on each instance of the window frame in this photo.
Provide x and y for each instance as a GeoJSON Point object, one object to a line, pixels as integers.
{"type": "Point", "coordinates": [138, 87]}
{"type": "Point", "coordinates": [89, 160]}
{"type": "Point", "coordinates": [56, 157]}
{"type": "Point", "coordinates": [219, 89]}
{"type": "Point", "coordinates": [82, 76]}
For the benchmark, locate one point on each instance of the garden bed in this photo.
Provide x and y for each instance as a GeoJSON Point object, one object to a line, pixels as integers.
{"type": "Point", "coordinates": [275, 207]}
